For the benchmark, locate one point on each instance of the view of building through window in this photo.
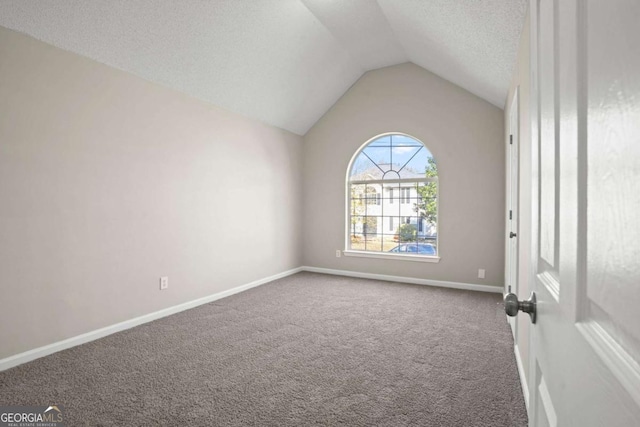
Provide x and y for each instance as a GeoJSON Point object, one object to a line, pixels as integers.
{"type": "Point", "coordinates": [393, 189]}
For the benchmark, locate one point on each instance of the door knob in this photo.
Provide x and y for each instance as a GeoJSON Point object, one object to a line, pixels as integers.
{"type": "Point", "coordinates": [512, 305]}
{"type": "Point", "coordinates": [512, 235]}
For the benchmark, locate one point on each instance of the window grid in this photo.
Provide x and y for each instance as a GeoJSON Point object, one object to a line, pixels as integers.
{"type": "Point", "coordinates": [369, 214]}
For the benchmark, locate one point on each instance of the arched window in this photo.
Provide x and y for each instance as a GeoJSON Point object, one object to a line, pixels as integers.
{"type": "Point", "coordinates": [392, 202]}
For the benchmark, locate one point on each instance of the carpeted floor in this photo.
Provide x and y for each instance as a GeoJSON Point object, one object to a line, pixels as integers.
{"type": "Point", "coordinates": [309, 349]}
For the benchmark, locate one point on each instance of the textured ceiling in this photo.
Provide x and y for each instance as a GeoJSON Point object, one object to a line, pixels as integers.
{"type": "Point", "coordinates": [283, 62]}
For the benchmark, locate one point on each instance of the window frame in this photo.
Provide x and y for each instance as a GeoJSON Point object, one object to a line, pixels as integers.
{"type": "Point", "coordinates": [400, 256]}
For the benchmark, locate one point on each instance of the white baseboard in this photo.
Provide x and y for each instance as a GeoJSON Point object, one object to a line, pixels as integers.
{"type": "Point", "coordinates": [402, 279]}
{"type": "Point", "coordinates": [46, 350]}
{"type": "Point", "coordinates": [523, 378]}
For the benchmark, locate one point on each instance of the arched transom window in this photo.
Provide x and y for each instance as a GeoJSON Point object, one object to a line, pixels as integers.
{"type": "Point", "coordinates": [392, 188]}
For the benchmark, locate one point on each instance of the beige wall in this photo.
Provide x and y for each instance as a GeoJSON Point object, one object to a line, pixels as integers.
{"type": "Point", "coordinates": [466, 136]}
{"type": "Point", "coordinates": [108, 182]}
{"type": "Point", "coordinates": [521, 80]}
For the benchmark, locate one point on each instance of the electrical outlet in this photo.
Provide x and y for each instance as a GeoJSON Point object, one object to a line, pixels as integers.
{"type": "Point", "coordinates": [338, 253]}
{"type": "Point", "coordinates": [481, 273]}
{"type": "Point", "coordinates": [164, 283]}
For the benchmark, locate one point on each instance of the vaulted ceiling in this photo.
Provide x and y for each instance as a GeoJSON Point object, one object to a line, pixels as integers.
{"type": "Point", "coordinates": [283, 62]}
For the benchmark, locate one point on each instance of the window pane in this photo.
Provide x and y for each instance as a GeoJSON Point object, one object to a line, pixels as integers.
{"type": "Point", "coordinates": [392, 157]}
{"type": "Point", "coordinates": [358, 200]}
{"type": "Point", "coordinates": [391, 193]}
{"type": "Point", "coordinates": [372, 238]}
{"type": "Point", "coordinates": [372, 196]}
{"type": "Point", "coordinates": [381, 156]}
{"type": "Point", "coordinates": [364, 169]}
{"type": "Point", "coordinates": [418, 166]}
{"type": "Point", "coordinates": [427, 202]}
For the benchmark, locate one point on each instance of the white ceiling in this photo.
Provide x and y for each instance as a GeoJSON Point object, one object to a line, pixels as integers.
{"type": "Point", "coordinates": [283, 62]}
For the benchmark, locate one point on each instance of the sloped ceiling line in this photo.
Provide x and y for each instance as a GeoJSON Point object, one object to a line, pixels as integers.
{"type": "Point", "coordinates": [282, 62]}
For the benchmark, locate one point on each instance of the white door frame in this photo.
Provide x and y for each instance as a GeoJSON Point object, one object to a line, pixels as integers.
{"type": "Point", "coordinates": [512, 212]}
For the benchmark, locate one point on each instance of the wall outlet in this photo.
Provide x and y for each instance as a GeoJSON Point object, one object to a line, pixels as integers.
{"type": "Point", "coordinates": [338, 253]}
{"type": "Point", "coordinates": [164, 283]}
{"type": "Point", "coordinates": [481, 273]}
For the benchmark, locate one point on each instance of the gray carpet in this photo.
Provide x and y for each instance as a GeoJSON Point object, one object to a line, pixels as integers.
{"type": "Point", "coordinates": [309, 349]}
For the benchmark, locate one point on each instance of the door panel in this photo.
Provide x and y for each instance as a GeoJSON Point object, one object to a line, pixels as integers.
{"type": "Point", "coordinates": [546, 412]}
{"type": "Point", "coordinates": [548, 138]}
{"type": "Point", "coordinates": [613, 189]}
{"type": "Point", "coordinates": [585, 346]}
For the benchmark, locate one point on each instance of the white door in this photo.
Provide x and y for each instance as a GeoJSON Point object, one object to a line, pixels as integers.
{"type": "Point", "coordinates": [511, 282]}
{"type": "Point", "coordinates": [586, 125]}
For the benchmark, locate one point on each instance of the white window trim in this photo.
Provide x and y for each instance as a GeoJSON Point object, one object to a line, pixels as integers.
{"type": "Point", "coordinates": [384, 255]}
{"type": "Point", "coordinates": [392, 256]}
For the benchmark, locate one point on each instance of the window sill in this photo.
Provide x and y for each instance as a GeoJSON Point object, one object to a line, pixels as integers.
{"type": "Point", "coordinates": [397, 257]}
